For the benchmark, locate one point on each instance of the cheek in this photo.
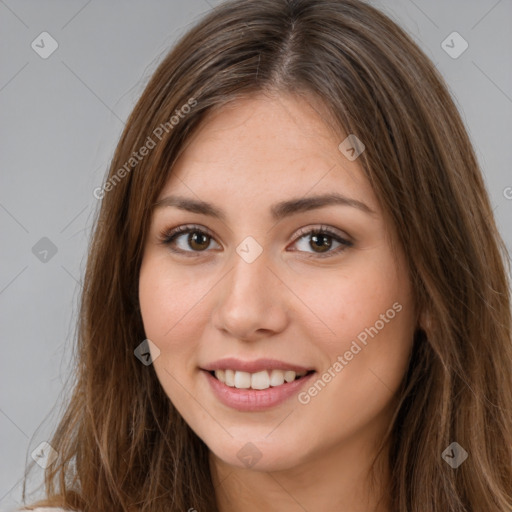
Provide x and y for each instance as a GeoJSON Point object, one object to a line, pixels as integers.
{"type": "Point", "coordinates": [168, 298]}
{"type": "Point", "coordinates": [375, 320]}
{"type": "Point", "coordinates": [170, 307]}
{"type": "Point", "coordinates": [349, 299]}
{"type": "Point", "coordinates": [368, 309]}
{"type": "Point", "coordinates": [366, 360]}
{"type": "Point", "coordinates": [168, 303]}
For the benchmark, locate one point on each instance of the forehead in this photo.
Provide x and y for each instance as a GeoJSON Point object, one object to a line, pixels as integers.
{"type": "Point", "coordinates": [267, 146]}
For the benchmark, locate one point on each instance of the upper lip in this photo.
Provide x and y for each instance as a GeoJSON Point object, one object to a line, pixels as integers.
{"type": "Point", "coordinates": [231, 363]}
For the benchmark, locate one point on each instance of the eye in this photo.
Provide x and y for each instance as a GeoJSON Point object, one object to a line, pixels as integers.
{"type": "Point", "coordinates": [198, 239]}
{"type": "Point", "coordinates": [322, 239]}
{"type": "Point", "coordinates": [193, 239]}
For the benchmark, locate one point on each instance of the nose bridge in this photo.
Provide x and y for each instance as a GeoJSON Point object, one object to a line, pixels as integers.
{"type": "Point", "coordinates": [250, 273]}
{"type": "Point", "coordinates": [249, 297]}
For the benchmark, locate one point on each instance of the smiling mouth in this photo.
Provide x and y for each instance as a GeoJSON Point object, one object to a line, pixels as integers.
{"type": "Point", "coordinates": [259, 380]}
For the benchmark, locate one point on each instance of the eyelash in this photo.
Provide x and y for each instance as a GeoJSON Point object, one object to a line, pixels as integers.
{"type": "Point", "coordinates": [168, 237]}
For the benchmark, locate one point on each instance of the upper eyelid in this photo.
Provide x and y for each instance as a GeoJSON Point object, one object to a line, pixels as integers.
{"type": "Point", "coordinates": [322, 227]}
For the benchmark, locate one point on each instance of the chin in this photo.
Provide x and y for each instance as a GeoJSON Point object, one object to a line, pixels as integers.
{"type": "Point", "coordinates": [258, 454]}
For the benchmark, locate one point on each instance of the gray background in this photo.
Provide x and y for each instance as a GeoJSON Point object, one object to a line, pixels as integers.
{"type": "Point", "coordinates": [61, 119]}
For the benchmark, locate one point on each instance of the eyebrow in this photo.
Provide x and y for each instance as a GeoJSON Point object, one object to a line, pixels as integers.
{"type": "Point", "coordinates": [278, 210]}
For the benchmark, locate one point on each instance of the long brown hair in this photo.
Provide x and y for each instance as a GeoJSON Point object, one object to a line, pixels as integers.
{"type": "Point", "coordinates": [121, 444]}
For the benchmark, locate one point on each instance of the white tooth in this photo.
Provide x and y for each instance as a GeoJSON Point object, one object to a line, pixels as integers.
{"type": "Point", "coordinates": [229, 375]}
{"type": "Point", "coordinates": [242, 380]}
{"type": "Point", "coordinates": [289, 376]}
{"type": "Point", "coordinates": [276, 378]}
{"type": "Point", "coordinates": [260, 380]}
{"type": "Point", "coordinates": [301, 374]}
{"type": "Point", "coordinates": [220, 374]}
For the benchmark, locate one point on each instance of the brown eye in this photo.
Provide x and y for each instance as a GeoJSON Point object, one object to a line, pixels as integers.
{"type": "Point", "coordinates": [187, 239]}
{"type": "Point", "coordinates": [323, 241]}
{"type": "Point", "coordinates": [198, 240]}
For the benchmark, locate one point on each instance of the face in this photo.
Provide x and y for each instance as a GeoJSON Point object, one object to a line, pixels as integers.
{"type": "Point", "coordinates": [278, 317]}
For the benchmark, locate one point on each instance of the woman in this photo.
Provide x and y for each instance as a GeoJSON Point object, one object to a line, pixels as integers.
{"type": "Point", "coordinates": [296, 295]}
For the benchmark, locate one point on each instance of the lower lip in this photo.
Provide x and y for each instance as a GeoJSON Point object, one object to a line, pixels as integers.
{"type": "Point", "coordinates": [253, 400]}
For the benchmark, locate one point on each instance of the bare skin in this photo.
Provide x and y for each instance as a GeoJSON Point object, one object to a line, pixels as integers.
{"type": "Point", "coordinates": [296, 302]}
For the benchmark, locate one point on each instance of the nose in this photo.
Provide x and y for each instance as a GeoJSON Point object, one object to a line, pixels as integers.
{"type": "Point", "coordinates": [251, 300]}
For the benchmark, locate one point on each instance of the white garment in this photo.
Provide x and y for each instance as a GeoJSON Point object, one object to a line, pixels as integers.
{"type": "Point", "coordinates": [44, 509]}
